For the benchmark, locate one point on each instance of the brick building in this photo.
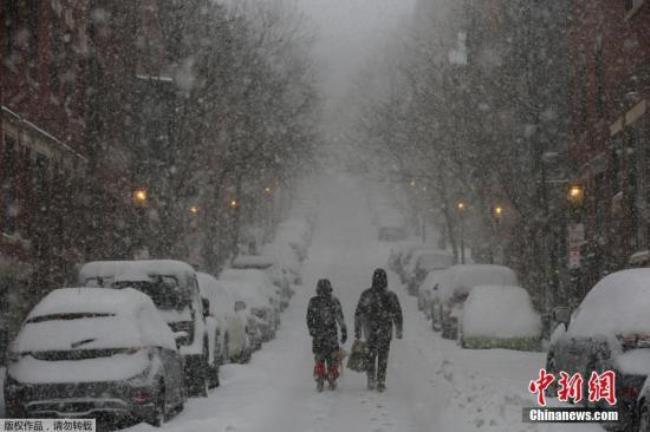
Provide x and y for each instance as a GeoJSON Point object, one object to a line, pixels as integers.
{"type": "Point", "coordinates": [68, 90]}
{"type": "Point", "coordinates": [610, 146]}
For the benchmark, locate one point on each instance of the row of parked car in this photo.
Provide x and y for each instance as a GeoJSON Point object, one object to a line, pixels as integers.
{"type": "Point", "coordinates": [136, 338]}
{"type": "Point", "coordinates": [482, 306]}
{"type": "Point", "coordinates": [479, 305]}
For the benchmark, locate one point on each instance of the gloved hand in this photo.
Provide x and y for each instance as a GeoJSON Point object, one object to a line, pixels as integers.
{"type": "Point", "coordinates": [398, 334]}
{"type": "Point", "coordinates": [344, 335]}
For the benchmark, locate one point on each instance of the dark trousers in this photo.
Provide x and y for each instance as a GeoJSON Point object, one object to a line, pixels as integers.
{"type": "Point", "coordinates": [377, 360]}
{"type": "Point", "coordinates": [328, 357]}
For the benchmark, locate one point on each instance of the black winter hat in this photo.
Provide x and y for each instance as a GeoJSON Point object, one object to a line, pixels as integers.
{"type": "Point", "coordinates": [324, 287]}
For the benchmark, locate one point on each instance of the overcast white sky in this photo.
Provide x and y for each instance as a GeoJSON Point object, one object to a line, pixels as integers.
{"type": "Point", "coordinates": [347, 31]}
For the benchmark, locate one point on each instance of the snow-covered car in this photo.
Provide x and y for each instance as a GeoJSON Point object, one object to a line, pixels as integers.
{"type": "Point", "coordinates": [287, 258]}
{"type": "Point", "coordinates": [610, 330]}
{"type": "Point", "coordinates": [90, 352]}
{"type": "Point", "coordinates": [427, 291]}
{"type": "Point", "coordinates": [397, 251]}
{"type": "Point", "coordinates": [174, 289]}
{"type": "Point", "coordinates": [453, 287]}
{"type": "Point", "coordinates": [297, 234]}
{"type": "Point", "coordinates": [279, 276]}
{"type": "Point", "coordinates": [422, 262]}
{"type": "Point", "coordinates": [255, 290]}
{"type": "Point", "coordinates": [230, 332]}
{"type": "Point", "coordinates": [405, 258]}
{"type": "Point", "coordinates": [498, 316]}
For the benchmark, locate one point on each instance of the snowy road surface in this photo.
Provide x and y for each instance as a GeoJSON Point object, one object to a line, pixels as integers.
{"type": "Point", "coordinates": [432, 384]}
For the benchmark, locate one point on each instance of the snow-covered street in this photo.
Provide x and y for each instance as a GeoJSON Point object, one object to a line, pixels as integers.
{"type": "Point", "coordinates": [433, 385]}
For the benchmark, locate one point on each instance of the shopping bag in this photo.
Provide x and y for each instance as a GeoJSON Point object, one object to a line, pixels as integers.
{"type": "Point", "coordinates": [357, 357]}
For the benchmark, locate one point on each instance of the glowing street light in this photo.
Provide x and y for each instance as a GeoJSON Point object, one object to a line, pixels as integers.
{"type": "Point", "coordinates": [498, 211]}
{"type": "Point", "coordinates": [412, 183]}
{"type": "Point", "coordinates": [194, 209]}
{"type": "Point", "coordinates": [234, 204]}
{"type": "Point", "coordinates": [267, 190]}
{"type": "Point", "coordinates": [461, 206]}
{"type": "Point", "coordinates": [576, 194]}
{"type": "Point", "coordinates": [140, 196]}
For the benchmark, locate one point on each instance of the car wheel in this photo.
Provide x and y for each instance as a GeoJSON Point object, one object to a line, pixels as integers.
{"type": "Point", "coordinates": [158, 416]}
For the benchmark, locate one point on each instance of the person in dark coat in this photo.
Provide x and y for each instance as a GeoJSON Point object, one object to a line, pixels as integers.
{"type": "Point", "coordinates": [378, 310]}
{"type": "Point", "coordinates": [324, 318]}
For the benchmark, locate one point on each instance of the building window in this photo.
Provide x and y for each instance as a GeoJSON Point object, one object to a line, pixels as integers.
{"type": "Point", "coordinates": [615, 168]}
{"type": "Point", "coordinates": [22, 16]}
{"type": "Point", "coordinates": [582, 80]}
{"type": "Point", "coordinates": [41, 172]}
{"type": "Point", "coordinates": [8, 211]}
{"type": "Point", "coordinates": [600, 79]}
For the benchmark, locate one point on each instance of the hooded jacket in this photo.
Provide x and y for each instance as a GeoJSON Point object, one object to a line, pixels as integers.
{"type": "Point", "coordinates": [378, 310]}
{"type": "Point", "coordinates": [324, 313]}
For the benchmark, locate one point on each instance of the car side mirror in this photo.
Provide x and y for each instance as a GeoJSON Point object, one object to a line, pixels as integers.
{"type": "Point", "coordinates": [240, 305]}
{"type": "Point", "coordinates": [562, 315]}
{"type": "Point", "coordinates": [206, 307]}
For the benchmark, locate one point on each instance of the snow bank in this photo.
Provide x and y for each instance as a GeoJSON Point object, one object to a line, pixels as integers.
{"type": "Point", "coordinates": [500, 312]}
{"type": "Point", "coordinates": [623, 297]}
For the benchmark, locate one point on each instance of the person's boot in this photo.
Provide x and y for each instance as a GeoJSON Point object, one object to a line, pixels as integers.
{"type": "Point", "coordinates": [332, 376]}
{"type": "Point", "coordinates": [320, 373]}
{"type": "Point", "coordinates": [371, 382]}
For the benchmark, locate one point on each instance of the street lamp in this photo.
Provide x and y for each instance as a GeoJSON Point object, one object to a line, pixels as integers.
{"type": "Point", "coordinates": [576, 194]}
{"type": "Point", "coordinates": [194, 209]}
{"type": "Point", "coordinates": [412, 183]}
{"type": "Point", "coordinates": [267, 190]}
{"type": "Point", "coordinates": [140, 197]}
{"type": "Point", "coordinates": [234, 204]}
{"type": "Point", "coordinates": [498, 212]}
{"type": "Point", "coordinates": [461, 206]}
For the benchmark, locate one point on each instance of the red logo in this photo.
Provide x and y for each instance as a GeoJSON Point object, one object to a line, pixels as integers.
{"type": "Point", "coordinates": [570, 387]}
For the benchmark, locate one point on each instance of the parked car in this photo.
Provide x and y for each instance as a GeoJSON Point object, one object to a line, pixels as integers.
{"type": "Point", "coordinates": [89, 352]}
{"type": "Point", "coordinates": [253, 292]}
{"type": "Point", "coordinates": [422, 262]}
{"type": "Point", "coordinates": [405, 258]}
{"type": "Point", "coordinates": [173, 287]}
{"type": "Point", "coordinates": [287, 258]}
{"type": "Point", "coordinates": [453, 287]}
{"type": "Point", "coordinates": [610, 330]}
{"type": "Point", "coordinates": [397, 251]}
{"type": "Point", "coordinates": [231, 330]}
{"type": "Point", "coordinates": [498, 316]}
{"type": "Point", "coordinates": [279, 276]}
